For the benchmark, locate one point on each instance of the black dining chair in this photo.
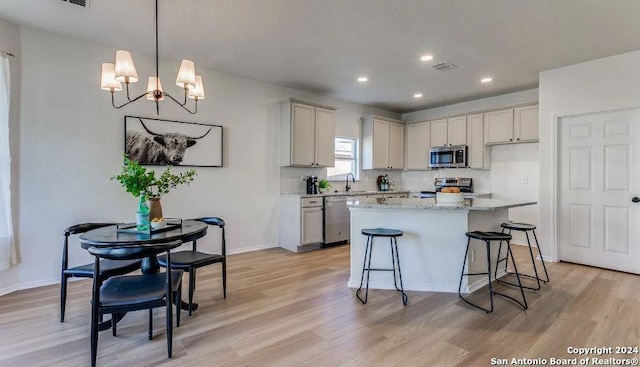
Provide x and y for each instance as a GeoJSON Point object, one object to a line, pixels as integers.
{"type": "Point", "coordinates": [107, 267]}
{"type": "Point", "coordinates": [193, 259]}
{"type": "Point", "coordinates": [124, 293]}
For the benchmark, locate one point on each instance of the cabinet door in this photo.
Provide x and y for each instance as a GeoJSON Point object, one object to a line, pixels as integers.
{"type": "Point", "coordinates": [380, 144]}
{"type": "Point", "coordinates": [396, 146]}
{"type": "Point", "coordinates": [457, 130]}
{"type": "Point", "coordinates": [311, 225]}
{"type": "Point", "coordinates": [418, 145]}
{"type": "Point", "coordinates": [525, 123]}
{"type": "Point", "coordinates": [439, 133]}
{"type": "Point", "coordinates": [478, 152]}
{"type": "Point", "coordinates": [302, 135]}
{"type": "Point", "coordinates": [325, 137]}
{"type": "Point", "coordinates": [498, 127]}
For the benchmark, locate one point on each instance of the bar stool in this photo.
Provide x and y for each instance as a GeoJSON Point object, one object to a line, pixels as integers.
{"type": "Point", "coordinates": [487, 237]}
{"type": "Point", "coordinates": [392, 234]}
{"type": "Point", "coordinates": [523, 227]}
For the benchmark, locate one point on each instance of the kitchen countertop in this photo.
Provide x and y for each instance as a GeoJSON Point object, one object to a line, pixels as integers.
{"type": "Point", "coordinates": [343, 193]}
{"type": "Point", "coordinates": [431, 204]}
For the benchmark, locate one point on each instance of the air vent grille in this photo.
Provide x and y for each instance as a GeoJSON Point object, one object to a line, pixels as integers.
{"type": "Point", "coordinates": [83, 3]}
{"type": "Point", "coordinates": [444, 66]}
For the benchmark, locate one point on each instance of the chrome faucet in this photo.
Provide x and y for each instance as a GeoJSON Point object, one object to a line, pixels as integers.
{"type": "Point", "coordinates": [347, 187]}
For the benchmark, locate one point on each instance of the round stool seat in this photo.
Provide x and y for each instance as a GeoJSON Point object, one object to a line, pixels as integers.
{"type": "Point", "coordinates": [518, 226]}
{"type": "Point", "coordinates": [382, 232]}
{"type": "Point", "coordinates": [489, 236]}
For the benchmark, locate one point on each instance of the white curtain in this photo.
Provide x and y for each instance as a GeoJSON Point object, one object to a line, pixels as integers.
{"type": "Point", "coordinates": [7, 250]}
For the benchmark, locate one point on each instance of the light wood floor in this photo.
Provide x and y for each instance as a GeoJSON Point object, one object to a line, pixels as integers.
{"type": "Point", "coordinates": [285, 309]}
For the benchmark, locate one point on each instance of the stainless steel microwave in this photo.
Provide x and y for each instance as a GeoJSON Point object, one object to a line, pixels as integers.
{"type": "Point", "coordinates": [454, 156]}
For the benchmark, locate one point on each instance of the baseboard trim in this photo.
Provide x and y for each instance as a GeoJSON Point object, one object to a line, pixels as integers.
{"type": "Point", "coordinates": [252, 248]}
{"type": "Point", "coordinates": [29, 285]}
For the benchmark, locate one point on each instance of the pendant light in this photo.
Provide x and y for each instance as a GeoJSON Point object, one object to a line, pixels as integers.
{"type": "Point", "coordinates": [124, 71]}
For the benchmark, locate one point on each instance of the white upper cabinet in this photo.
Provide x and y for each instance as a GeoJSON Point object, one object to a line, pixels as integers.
{"type": "Point", "coordinates": [307, 133]}
{"type": "Point", "coordinates": [479, 155]}
{"type": "Point", "coordinates": [439, 133]}
{"type": "Point", "coordinates": [382, 143]}
{"type": "Point", "coordinates": [498, 126]}
{"type": "Point", "coordinates": [525, 123]}
{"type": "Point", "coordinates": [449, 132]}
{"type": "Point", "coordinates": [513, 125]}
{"type": "Point", "coordinates": [457, 130]}
{"type": "Point", "coordinates": [417, 143]}
{"type": "Point", "coordinates": [325, 137]}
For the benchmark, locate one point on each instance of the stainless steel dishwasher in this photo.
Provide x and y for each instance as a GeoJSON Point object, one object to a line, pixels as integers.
{"type": "Point", "coordinates": [337, 220]}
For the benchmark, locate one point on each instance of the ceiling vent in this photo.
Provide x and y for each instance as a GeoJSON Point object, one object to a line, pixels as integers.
{"type": "Point", "coordinates": [83, 3]}
{"type": "Point", "coordinates": [444, 66]}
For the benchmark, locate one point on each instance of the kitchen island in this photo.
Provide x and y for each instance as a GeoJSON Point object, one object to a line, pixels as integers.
{"type": "Point", "coordinates": [434, 242]}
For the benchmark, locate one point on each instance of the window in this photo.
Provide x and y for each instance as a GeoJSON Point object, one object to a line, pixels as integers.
{"type": "Point", "coordinates": [346, 159]}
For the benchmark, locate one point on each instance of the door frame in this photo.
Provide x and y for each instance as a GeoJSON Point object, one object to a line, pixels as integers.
{"type": "Point", "coordinates": [555, 189]}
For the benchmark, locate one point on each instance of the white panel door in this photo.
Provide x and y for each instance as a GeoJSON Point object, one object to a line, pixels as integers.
{"type": "Point", "coordinates": [599, 224]}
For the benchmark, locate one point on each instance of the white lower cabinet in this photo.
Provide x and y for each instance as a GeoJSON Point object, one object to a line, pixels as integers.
{"type": "Point", "coordinates": [301, 222]}
{"type": "Point", "coordinates": [311, 226]}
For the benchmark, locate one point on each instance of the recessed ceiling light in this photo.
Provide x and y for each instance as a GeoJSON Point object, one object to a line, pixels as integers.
{"type": "Point", "coordinates": [417, 95]}
{"type": "Point", "coordinates": [485, 80]}
{"type": "Point", "coordinates": [426, 57]}
{"type": "Point", "coordinates": [363, 79]}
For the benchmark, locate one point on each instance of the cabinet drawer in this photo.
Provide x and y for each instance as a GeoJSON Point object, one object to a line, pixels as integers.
{"type": "Point", "coordinates": [311, 202]}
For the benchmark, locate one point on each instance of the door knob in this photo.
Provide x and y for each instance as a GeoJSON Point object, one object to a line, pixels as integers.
{"type": "Point", "coordinates": [635, 199]}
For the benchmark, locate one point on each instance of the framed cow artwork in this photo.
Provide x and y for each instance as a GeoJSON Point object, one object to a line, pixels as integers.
{"type": "Point", "coordinates": [157, 142]}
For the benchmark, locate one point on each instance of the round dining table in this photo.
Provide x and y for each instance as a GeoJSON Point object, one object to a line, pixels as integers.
{"type": "Point", "coordinates": [115, 236]}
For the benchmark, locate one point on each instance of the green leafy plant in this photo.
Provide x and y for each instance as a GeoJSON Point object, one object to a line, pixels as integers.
{"type": "Point", "coordinates": [136, 179]}
{"type": "Point", "coordinates": [324, 184]}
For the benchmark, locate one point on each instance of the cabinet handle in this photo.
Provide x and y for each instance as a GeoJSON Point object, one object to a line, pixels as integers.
{"type": "Point", "coordinates": [510, 139]}
{"type": "Point", "coordinates": [313, 201]}
{"type": "Point", "coordinates": [518, 139]}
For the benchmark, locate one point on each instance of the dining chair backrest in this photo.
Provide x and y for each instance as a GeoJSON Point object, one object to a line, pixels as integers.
{"type": "Point", "coordinates": [78, 229]}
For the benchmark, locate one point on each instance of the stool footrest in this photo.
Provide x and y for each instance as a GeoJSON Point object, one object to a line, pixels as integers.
{"type": "Point", "coordinates": [374, 269]}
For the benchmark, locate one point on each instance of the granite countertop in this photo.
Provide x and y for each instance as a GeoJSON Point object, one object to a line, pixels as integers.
{"type": "Point", "coordinates": [343, 193]}
{"type": "Point", "coordinates": [431, 204]}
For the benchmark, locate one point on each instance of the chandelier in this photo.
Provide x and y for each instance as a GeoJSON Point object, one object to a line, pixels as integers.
{"type": "Point", "coordinates": [125, 71]}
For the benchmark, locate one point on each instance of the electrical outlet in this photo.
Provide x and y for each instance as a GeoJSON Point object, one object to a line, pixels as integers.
{"type": "Point", "coordinates": [525, 180]}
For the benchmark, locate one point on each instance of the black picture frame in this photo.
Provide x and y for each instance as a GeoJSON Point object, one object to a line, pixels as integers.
{"type": "Point", "coordinates": [159, 142]}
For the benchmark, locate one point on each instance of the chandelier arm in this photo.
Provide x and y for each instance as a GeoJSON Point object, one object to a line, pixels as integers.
{"type": "Point", "coordinates": [180, 104]}
{"type": "Point", "coordinates": [113, 101]}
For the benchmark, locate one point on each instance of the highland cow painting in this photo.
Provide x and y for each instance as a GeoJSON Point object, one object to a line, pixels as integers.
{"type": "Point", "coordinates": [157, 142]}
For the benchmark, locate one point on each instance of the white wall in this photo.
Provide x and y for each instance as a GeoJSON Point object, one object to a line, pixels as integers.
{"type": "Point", "coordinates": [600, 85]}
{"type": "Point", "coordinates": [70, 144]}
{"type": "Point", "coordinates": [10, 42]}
